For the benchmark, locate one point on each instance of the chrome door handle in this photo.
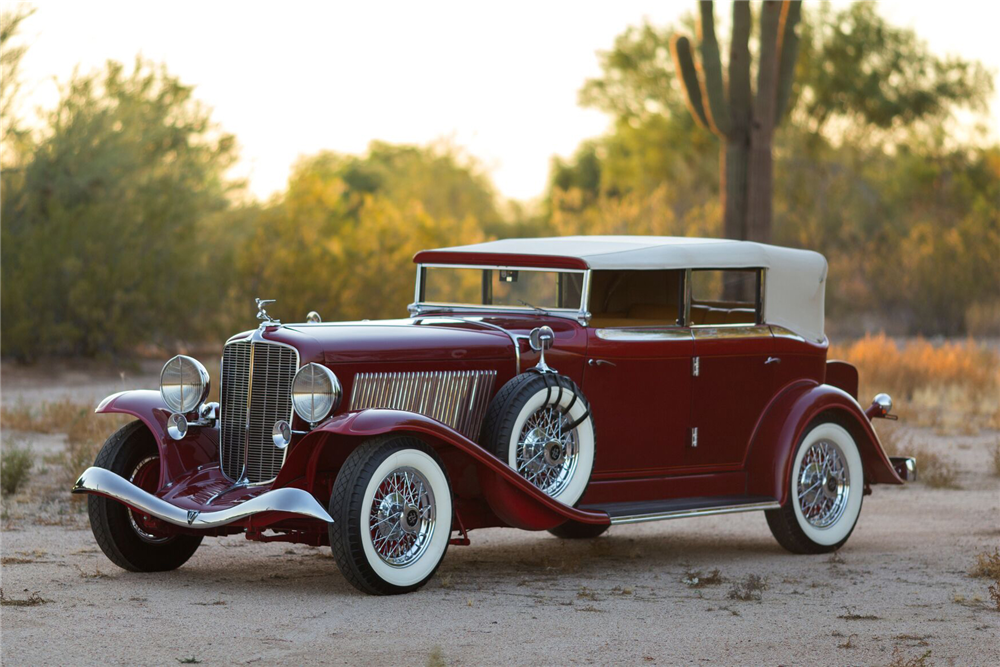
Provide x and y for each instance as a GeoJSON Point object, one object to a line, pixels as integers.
{"type": "Point", "coordinates": [599, 362]}
{"type": "Point", "coordinates": [772, 360]}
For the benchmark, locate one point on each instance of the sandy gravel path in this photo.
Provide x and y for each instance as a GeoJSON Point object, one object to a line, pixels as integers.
{"type": "Point", "coordinates": [522, 598]}
{"type": "Point", "coordinates": [898, 590]}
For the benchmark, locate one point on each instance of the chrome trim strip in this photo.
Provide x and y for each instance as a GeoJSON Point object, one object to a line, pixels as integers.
{"type": "Point", "coordinates": [456, 398]}
{"type": "Point", "coordinates": [585, 313]}
{"type": "Point", "coordinates": [580, 314]}
{"type": "Point", "coordinates": [706, 511]}
{"type": "Point", "coordinates": [781, 332]}
{"type": "Point", "coordinates": [641, 334]}
{"type": "Point", "coordinates": [706, 331]}
{"type": "Point", "coordinates": [687, 297]}
{"type": "Point", "coordinates": [107, 483]}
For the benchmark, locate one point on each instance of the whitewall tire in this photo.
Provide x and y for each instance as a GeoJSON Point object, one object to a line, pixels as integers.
{"type": "Point", "coordinates": [541, 426]}
{"type": "Point", "coordinates": [825, 492]}
{"type": "Point", "coordinates": [392, 511]}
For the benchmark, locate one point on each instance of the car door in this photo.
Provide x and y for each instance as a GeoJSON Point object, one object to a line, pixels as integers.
{"type": "Point", "coordinates": [638, 382]}
{"type": "Point", "coordinates": [734, 365]}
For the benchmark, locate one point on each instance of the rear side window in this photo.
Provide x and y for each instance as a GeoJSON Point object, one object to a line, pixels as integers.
{"type": "Point", "coordinates": [726, 296]}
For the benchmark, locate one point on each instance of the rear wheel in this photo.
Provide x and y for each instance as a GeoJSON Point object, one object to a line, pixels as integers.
{"type": "Point", "coordinates": [824, 493]}
{"type": "Point", "coordinates": [125, 536]}
{"type": "Point", "coordinates": [392, 511]}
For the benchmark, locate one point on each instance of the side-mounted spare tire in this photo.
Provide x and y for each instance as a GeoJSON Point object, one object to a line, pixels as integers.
{"type": "Point", "coordinates": [540, 424]}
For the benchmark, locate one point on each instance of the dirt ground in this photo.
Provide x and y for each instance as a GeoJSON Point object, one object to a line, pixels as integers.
{"type": "Point", "coordinates": [899, 591]}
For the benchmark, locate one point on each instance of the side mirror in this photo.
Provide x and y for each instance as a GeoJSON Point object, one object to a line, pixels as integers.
{"type": "Point", "coordinates": [313, 317]}
{"type": "Point", "coordinates": [541, 339]}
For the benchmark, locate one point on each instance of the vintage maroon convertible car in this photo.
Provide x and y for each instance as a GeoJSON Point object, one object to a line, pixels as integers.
{"type": "Point", "coordinates": [561, 384]}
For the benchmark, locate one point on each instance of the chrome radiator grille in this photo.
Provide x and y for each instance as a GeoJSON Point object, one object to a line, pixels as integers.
{"type": "Point", "coordinates": [256, 392]}
{"type": "Point", "coordinates": [455, 398]}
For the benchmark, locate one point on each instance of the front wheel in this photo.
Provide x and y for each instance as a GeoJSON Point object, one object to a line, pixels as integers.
{"type": "Point", "coordinates": [825, 493]}
{"type": "Point", "coordinates": [127, 537]}
{"type": "Point", "coordinates": [392, 511]}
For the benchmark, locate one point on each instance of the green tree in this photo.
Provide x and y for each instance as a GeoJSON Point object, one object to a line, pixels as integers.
{"type": "Point", "coordinates": [341, 240]}
{"type": "Point", "coordinates": [12, 136]}
{"type": "Point", "coordinates": [99, 244]}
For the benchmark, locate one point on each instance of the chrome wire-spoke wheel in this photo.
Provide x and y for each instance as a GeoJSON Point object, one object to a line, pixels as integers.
{"type": "Point", "coordinates": [824, 498]}
{"type": "Point", "coordinates": [145, 475]}
{"type": "Point", "coordinates": [402, 517]}
{"type": "Point", "coordinates": [824, 484]}
{"type": "Point", "coordinates": [546, 451]}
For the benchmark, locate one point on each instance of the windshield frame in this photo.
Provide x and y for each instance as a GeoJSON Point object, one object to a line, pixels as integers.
{"type": "Point", "coordinates": [419, 306]}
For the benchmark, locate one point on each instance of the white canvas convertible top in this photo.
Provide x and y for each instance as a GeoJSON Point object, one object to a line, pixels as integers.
{"type": "Point", "coordinates": [794, 286]}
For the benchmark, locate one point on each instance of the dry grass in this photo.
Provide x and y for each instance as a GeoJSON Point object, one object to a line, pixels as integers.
{"type": "Point", "coordinates": [694, 579]}
{"type": "Point", "coordinates": [33, 599]}
{"type": "Point", "coordinates": [987, 565]}
{"type": "Point", "coordinates": [891, 435]}
{"type": "Point", "coordinates": [951, 385]}
{"type": "Point", "coordinates": [85, 431]}
{"type": "Point", "coordinates": [751, 588]}
{"type": "Point", "coordinates": [15, 468]}
{"type": "Point", "coordinates": [899, 660]}
{"type": "Point", "coordinates": [850, 615]}
{"type": "Point", "coordinates": [935, 470]}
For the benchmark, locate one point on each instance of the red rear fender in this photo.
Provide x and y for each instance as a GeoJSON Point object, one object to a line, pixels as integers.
{"type": "Point", "coordinates": [786, 420]}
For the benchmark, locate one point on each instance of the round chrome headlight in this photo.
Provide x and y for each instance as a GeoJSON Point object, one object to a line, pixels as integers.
{"type": "Point", "coordinates": [184, 384]}
{"type": "Point", "coordinates": [316, 392]}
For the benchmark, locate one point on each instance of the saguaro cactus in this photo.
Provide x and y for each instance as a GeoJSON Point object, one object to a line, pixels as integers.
{"type": "Point", "coordinates": [743, 120]}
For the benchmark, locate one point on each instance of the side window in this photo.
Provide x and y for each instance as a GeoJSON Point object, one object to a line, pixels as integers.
{"type": "Point", "coordinates": [636, 298]}
{"type": "Point", "coordinates": [725, 296]}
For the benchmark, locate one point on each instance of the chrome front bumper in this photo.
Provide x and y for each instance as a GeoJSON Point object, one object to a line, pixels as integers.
{"type": "Point", "coordinates": [905, 467]}
{"type": "Point", "coordinates": [107, 483]}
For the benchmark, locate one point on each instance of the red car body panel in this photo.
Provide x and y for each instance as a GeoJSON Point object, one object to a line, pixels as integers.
{"type": "Point", "coordinates": [753, 414]}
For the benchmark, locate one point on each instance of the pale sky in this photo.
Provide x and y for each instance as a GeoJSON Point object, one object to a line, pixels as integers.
{"type": "Point", "coordinates": [499, 80]}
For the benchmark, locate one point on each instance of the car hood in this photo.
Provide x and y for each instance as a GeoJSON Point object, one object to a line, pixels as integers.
{"type": "Point", "coordinates": [390, 340]}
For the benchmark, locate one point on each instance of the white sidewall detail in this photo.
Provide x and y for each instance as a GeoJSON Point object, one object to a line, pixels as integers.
{"type": "Point", "coordinates": [573, 491]}
{"type": "Point", "coordinates": [423, 566]}
{"type": "Point", "coordinates": [843, 526]}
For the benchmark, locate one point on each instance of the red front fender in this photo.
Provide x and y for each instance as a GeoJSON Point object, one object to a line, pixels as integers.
{"type": "Point", "coordinates": [514, 500]}
{"type": "Point", "coordinates": [785, 421]}
{"type": "Point", "coordinates": [177, 457]}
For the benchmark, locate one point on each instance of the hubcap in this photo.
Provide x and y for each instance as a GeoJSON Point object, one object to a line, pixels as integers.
{"type": "Point", "coordinates": [546, 453]}
{"type": "Point", "coordinates": [402, 517]}
{"type": "Point", "coordinates": [824, 484]}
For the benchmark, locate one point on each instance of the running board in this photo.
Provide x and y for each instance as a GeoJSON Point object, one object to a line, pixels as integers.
{"type": "Point", "coordinates": [682, 508]}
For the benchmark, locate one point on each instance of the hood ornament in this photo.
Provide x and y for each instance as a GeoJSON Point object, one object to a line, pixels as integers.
{"type": "Point", "coordinates": [262, 313]}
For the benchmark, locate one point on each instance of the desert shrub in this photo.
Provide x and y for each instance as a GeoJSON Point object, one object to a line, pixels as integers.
{"type": "Point", "coordinates": [85, 431]}
{"type": "Point", "coordinates": [987, 565]}
{"type": "Point", "coordinates": [752, 587]}
{"type": "Point", "coordinates": [935, 470]}
{"type": "Point", "coordinates": [935, 383]}
{"type": "Point", "coordinates": [891, 436]}
{"type": "Point", "coordinates": [15, 467]}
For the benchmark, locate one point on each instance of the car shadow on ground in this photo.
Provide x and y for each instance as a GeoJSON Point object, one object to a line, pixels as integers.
{"type": "Point", "coordinates": [309, 571]}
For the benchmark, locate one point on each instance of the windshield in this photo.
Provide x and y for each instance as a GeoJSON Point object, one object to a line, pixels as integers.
{"type": "Point", "coordinates": [518, 288]}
